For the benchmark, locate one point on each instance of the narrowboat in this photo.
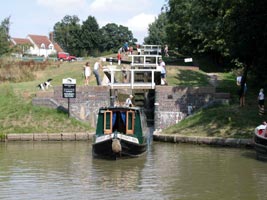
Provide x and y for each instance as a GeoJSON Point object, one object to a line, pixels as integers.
{"type": "Point", "coordinates": [121, 132]}
{"type": "Point", "coordinates": [260, 141]}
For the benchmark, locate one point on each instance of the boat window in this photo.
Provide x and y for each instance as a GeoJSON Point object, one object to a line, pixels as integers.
{"type": "Point", "coordinates": [130, 122]}
{"type": "Point", "coordinates": [108, 122]}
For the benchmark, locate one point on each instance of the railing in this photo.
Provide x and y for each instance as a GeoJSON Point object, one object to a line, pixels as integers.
{"type": "Point", "coordinates": [145, 61]}
{"type": "Point", "coordinates": [150, 49]}
{"type": "Point", "coordinates": [111, 73]}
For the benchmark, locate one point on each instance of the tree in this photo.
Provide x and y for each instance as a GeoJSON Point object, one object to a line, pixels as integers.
{"type": "Point", "coordinates": [4, 36]}
{"type": "Point", "coordinates": [247, 37]}
{"type": "Point", "coordinates": [231, 30]}
{"type": "Point", "coordinates": [198, 27]}
{"type": "Point", "coordinates": [90, 35]}
{"type": "Point", "coordinates": [157, 31]}
{"type": "Point", "coordinates": [67, 34]}
{"type": "Point", "coordinates": [114, 36]}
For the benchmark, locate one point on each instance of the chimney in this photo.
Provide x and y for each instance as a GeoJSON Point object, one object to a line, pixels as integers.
{"type": "Point", "coordinates": [51, 37]}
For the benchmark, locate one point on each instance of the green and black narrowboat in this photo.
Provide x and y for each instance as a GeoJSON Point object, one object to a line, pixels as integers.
{"type": "Point", "coordinates": [120, 132]}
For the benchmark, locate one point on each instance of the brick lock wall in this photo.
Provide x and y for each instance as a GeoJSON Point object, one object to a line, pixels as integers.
{"type": "Point", "coordinates": [84, 107]}
{"type": "Point", "coordinates": [171, 103]}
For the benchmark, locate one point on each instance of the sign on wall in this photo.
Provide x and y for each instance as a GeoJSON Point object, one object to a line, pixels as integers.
{"type": "Point", "coordinates": [69, 88]}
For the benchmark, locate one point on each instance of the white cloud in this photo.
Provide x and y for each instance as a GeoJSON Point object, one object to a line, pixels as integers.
{"type": "Point", "coordinates": [119, 7]}
{"type": "Point", "coordinates": [140, 22]}
{"type": "Point", "coordinates": [139, 25]}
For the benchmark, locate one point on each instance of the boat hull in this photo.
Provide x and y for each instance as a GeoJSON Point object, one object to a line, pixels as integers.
{"type": "Point", "coordinates": [260, 142]}
{"type": "Point", "coordinates": [128, 150]}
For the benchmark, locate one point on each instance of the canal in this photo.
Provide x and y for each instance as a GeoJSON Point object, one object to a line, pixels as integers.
{"type": "Point", "coordinates": [66, 170]}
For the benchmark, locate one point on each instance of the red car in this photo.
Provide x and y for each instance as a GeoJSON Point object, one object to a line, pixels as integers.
{"type": "Point", "coordinates": [63, 56]}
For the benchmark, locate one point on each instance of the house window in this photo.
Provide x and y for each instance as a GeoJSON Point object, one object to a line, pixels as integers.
{"type": "Point", "coordinates": [51, 46]}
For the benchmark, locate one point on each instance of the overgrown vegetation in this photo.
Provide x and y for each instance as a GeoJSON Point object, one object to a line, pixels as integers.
{"type": "Point", "coordinates": [19, 71]}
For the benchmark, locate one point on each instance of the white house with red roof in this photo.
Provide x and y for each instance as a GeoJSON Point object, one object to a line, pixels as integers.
{"type": "Point", "coordinates": [40, 45]}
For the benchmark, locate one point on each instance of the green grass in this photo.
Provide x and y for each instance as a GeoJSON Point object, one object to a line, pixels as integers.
{"type": "Point", "coordinates": [176, 76]}
{"type": "Point", "coordinates": [223, 120]}
{"type": "Point", "coordinates": [18, 115]}
{"type": "Point", "coordinates": [219, 121]}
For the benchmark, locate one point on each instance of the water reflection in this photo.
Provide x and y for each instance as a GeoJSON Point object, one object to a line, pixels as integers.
{"type": "Point", "coordinates": [66, 170]}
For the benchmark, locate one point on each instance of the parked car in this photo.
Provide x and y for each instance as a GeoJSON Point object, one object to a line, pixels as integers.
{"type": "Point", "coordinates": [63, 56]}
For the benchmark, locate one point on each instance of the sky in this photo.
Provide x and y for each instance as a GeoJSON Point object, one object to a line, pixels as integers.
{"type": "Point", "coordinates": [38, 17]}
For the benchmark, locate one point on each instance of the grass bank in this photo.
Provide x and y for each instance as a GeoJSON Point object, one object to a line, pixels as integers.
{"type": "Point", "coordinates": [18, 115]}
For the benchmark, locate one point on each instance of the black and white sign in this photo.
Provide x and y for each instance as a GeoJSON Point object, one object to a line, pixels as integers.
{"type": "Point", "coordinates": [69, 88]}
{"type": "Point", "coordinates": [188, 60]}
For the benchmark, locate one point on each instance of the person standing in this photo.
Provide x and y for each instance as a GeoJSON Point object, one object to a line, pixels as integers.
{"type": "Point", "coordinates": [163, 71]}
{"type": "Point", "coordinates": [241, 81]}
{"type": "Point", "coordinates": [97, 65]}
{"type": "Point", "coordinates": [87, 73]}
{"type": "Point", "coordinates": [238, 80]}
{"type": "Point", "coordinates": [166, 50]}
{"type": "Point", "coordinates": [119, 58]}
{"type": "Point", "coordinates": [126, 48]}
{"type": "Point", "coordinates": [261, 102]}
{"type": "Point", "coordinates": [128, 102]}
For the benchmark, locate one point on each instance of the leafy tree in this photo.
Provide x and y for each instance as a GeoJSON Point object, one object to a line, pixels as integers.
{"type": "Point", "coordinates": [90, 35]}
{"type": "Point", "coordinates": [67, 34]}
{"type": "Point", "coordinates": [114, 36]}
{"type": "Point", "coordinates": [229, 30]}
{"type": "Point", "coordinates": [198, 27]}
{"type": "Point", "coordinates": [157, 31]}
{"type": "Point", "coordinates": [4, 36]}
{"type": "Point", "coordinates": [247, 38]}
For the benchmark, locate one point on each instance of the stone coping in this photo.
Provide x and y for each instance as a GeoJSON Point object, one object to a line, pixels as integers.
{"type": "Point", "coordinates": [215, 141]}
{"type": "Point", "coordinates": [48, 136]}
{"type": "Point", "coordinates": [157, 136]}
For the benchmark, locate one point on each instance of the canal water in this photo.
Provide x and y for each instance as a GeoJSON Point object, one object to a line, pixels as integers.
{"type": "Point", "coordinates": [66, 170]}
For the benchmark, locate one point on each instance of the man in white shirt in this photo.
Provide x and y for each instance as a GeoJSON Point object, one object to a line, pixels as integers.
{"type": "Point", "coordinates": [97, 65]}
{"type": "Point", "coordinates": [128, 102]}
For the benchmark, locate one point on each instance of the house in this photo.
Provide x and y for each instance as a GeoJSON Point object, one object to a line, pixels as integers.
{"type": "Point", "coordinates": [38, 45]}
{"type": "Point", "coordinates": [21, 45]}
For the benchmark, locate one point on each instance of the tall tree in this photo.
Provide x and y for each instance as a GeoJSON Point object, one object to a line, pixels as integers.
{"type": "Point", "coordinates": [4, 36]}
{"type": "Point", "coordinates": [67, 34]}
{"type": "Point", "coordinates": [198, 27]}
{"type": "Point", "coordinates": [90, 35]}
{"type": "Point", "coordinates": [248, 37]}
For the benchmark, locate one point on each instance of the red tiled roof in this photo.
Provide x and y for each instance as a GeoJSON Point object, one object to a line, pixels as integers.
{"type": "Point", "coordinates": [20, 41]}
{"type": "Point", "coordinates": [40, 39]}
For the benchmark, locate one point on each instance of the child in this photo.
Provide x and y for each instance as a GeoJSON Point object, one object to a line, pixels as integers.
{"type": "Point", "coordinates": [261, 102]}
